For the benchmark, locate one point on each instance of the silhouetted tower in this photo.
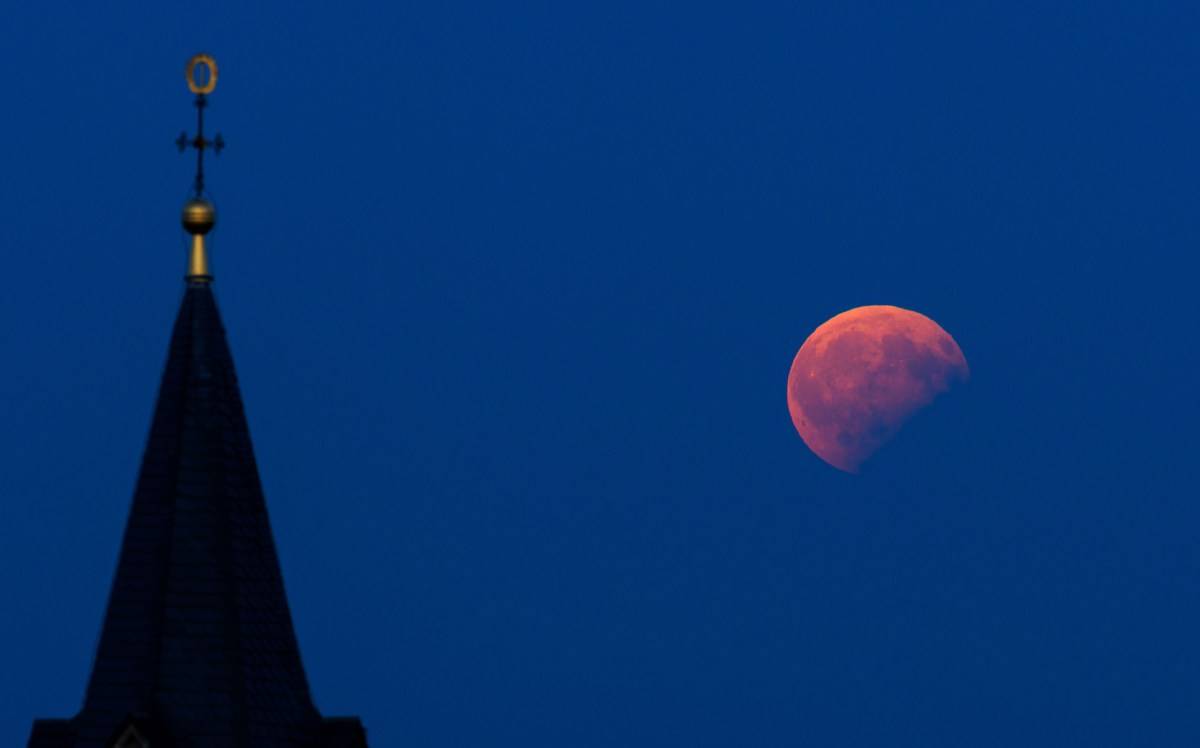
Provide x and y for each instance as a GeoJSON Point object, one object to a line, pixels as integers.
{"type": "Point", "coordinates": [197, 649]}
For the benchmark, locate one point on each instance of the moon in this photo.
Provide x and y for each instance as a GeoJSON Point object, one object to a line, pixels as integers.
{"type": "Point", "coordinates": [861, 375]}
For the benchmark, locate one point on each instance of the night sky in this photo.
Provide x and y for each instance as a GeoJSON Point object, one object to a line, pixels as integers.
{"type": "Point", "coordinates": [513, 290]}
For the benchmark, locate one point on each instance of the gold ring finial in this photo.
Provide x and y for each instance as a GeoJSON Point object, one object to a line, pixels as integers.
{"type": "Point", "coordinates": [208, 62]}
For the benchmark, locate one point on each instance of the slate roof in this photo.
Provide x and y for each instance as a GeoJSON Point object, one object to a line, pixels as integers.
{"type": "Point", "coordinates": [197, 648]}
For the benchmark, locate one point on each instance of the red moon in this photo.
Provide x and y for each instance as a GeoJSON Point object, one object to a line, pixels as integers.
{"type": "Point", "coordinates": [862, 374]}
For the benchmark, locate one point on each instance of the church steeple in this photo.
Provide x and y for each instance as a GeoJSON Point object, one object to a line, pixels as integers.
{"type": "Point", "coordinates": [197, 646]}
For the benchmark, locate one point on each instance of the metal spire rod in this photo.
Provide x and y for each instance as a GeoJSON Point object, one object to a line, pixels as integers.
{"type": "Point", "coordinates": [202, 88]}
{"type": "Point", "coordinates": [199, 214]}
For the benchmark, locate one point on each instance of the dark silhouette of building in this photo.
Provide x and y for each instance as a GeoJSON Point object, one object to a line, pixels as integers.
{"type": "Point", "coordinates": [197, 647]}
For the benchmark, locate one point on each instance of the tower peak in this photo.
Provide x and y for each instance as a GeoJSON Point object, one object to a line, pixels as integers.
{"type": "Point", "coordinates": [197, 647]}
{"type": "Point", "coordinates": [199, 214]}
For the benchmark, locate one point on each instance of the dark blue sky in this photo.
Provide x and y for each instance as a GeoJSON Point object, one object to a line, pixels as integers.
{"type": "Point", "coordinates": [513, 290]}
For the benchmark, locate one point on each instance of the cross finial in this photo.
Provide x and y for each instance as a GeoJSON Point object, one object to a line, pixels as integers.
{"type": "Point", "coordinates": [199, 215]}
{"type": "Point", "coordinates": [201, 80]}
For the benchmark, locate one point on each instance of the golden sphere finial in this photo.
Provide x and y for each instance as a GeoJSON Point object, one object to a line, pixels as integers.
{"type": "Point", "coordinates": [199, 216]}
{"type": "Point", "coordinates": [203, 86]}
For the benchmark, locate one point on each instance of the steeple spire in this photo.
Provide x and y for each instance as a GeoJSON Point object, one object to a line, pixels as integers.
{"type": "Point", "coordinates": [199, 214]}
{"type": "Point", "coordinates": [197, 648]}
